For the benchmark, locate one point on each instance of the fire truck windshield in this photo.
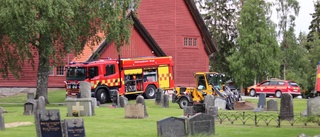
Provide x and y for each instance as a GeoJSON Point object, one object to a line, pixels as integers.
{"type": "Point", "coordinates": [76, 73]}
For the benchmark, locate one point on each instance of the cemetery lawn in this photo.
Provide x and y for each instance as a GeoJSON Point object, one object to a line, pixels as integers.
{"type": "Point", "coordinates": [110, 122]}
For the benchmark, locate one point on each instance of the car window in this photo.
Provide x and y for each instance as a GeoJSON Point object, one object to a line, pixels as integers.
{"type": "Point", "coordinates": [281, 83]}
{"type": "Point", "coordinates": [294, 84]}
{"type": "Point", "coordinates": [265, 83]}
{"type": "Point", "coordinates": [273, 82]}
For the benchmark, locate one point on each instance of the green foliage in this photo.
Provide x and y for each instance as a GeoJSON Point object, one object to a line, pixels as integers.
{"type": "Point", "coordinates": [257, 54]}
{"type": "Point", "coordinates": [51, 29]}
{"type": "Point", "coordinates": [220, 16]}
{"type": "Point", "coordinates": [315, 24]}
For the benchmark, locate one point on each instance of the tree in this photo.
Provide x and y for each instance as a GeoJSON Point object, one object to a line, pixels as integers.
{"type": "Point", "coordinates": [257, 55]}
{"type": "Point", "coordinates": [315, 24]}
{"type": "Point", "coordinates": [220, 16]}
{"type": "Point", "coordinates": [287, 11]}
{"type": "Point", "coordinates": [47, 30]}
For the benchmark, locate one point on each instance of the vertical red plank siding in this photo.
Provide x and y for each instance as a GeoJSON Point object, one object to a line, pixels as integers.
{"type": "Point", "coordinates": [169, 21]}
{"type": "Point", "coordinates": [137, 48]}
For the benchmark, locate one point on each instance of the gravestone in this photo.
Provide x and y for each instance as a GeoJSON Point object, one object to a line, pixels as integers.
{"type": "Point", "coordinates": [49, 123]}
{"type": "Point", "coordinates": [79, 107]}
{"type": "Point", "coordinates": [2, 126]}
{"type": "Point", "coordinates": [220, 103]}
{"type": "Point", "coordinates": [212, 110]}
{"type": "Point", "coordinates": [172, 127]}
{"type": "Point", "coordinates": [115, 98]}
{"type": "Point", "coordinates": [30, 107]}
{"type": "Point", "coordinates": [158, 96]}
{"type": "Point", "coordinates": [134, 111]}
{"type": "Point", "coordinates": [140, 100]}
{"type": "Point", "coordinates": [188, 111]}
{"type": "Point", "coordinates": [74, 128]}
{"type": "Point", "coordinates": [30, 96]}
{"type": "Point", "coordinates": [272, 105]}
{"type": "Point", "coordinates": [85, 89]}
{"type": "Point", "coordinates": [286, 107]}
{"type": "Point", "coordinates": [165, 102]}
{"type": "Point", "coordinates": [40, 108]}
{"type": "Point", "coordinates": [313, 107]}
{"type": "Point", "coordinates": [41, 104]}
{"type": "Point", "coordinates": [262, 101]}
{"type": "Point", "coordinates": [209, 100]}
{"type": "Point", "coordinates": [201, 123]}
{"type": "Point", "coordinates": [123, 101]}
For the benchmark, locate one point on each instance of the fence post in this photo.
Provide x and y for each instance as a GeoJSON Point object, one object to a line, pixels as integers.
{"type": "Point", "coordinates": [255, 119]}
{"type": "Point", "coordinates": [279, 121]}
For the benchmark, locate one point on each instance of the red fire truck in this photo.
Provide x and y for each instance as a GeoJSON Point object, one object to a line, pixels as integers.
{"type": "Point", "coordinates": [317, 85]}
{"type": "Point", "coordinates": [121, 76]}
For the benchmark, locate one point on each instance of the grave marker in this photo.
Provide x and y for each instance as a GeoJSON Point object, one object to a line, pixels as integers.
{"type": "Point", "coordinates": [30, 107]}
{"type": "Point", "coordinates": [172, 127]}
{"type": "Point", "coordinates": [201, 123]}
{"type": "Point", "coordinates": [49, 123]}
{"type": "Point", "coordinates": [79, 107]}
{"type": "Point", "coordinates": [165, 102]}
{"type": "Point", "coordinates": [272, 105]}
{"type": "Point", "coordinates": [74, 127]}
{"type": "Point", "coordinates": [85, 89]}
{"type": "Point", "coordinates": [286, 107]}
{"type": "Point", "coordinates": [313, 107]}
{"type": "Point", "coordinates": [220, 103]}
{"type": "Point", "coordinates": [158, 96]}
{"type": "Point", "coordinates": [140, 100]}
{"type": "Point", "coordinates": [262, 100]}
{"type": "Point", "coordinates": [134, 111]}
{"type": "Point", "coordinates": [2, 125]}
{"type": "Point", "coordinates": [30, 96]}
{"type": "Point", "coordinates": [188, 111]}
{"type": "Point", "coordinates": [123, 101]}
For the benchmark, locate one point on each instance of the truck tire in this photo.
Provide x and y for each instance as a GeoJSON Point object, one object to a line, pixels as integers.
{"type": "Point", "coordinates": [183, 102]}
{"type": "Point", "coordinates": [150, 92]}
{"type": "Point", "coordinates": [101, 96]}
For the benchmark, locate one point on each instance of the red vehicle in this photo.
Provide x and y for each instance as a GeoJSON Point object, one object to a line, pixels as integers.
{"type": "Point", "coordinates": [124, 76]}
{"type": "Point", "coordinates": [316, 91]}
{"type": "Point", "coordinates": [275, 87]}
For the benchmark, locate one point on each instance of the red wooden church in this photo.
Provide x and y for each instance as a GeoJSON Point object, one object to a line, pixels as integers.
{"type": "Point", "coordinates": [161, 28]}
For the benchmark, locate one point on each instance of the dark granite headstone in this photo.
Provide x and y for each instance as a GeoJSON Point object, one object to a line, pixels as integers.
{"type": "Point", "coordinates": [115, 98]}
{"type": "Point", "coordinates": [262, 100]}
{"type": "Point", "coordinates": [286, 107]}
{"type": "Point", "coordinates": [272, 105]}
{"type": "Point", "coordinates": [74, 128]}
{"type": "Point", "coordinates": [158, 96]}
{"type": "Point", "coordinates": [188, 111]}
{"type": "Point", "coordinates": [2, 126]}
{"type": "Point", "coordinates": [201, 123]}
{"type": "Point", "coordinates": [165, 102]}
{"type": "Point", "coordinates": [172, 127]}
{"type": "Point", "coordinates": [313, 106]}
{"type": "Point", "coordinates": [140, 100]}
{"type": "Point", "coordinates": [49, 123]}
{"type": "Point", "coordinates": [123, 101]}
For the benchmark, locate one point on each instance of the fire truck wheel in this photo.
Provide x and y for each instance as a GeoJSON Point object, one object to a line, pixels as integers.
{"type": "Point", "coordinates": [183, 102]}
{"type": "Point", "coordinates": [101, 96]}
{"type": "Point", "coordinates": [278, 94]}
{"type": "Point", "coordinates": [150, 92]}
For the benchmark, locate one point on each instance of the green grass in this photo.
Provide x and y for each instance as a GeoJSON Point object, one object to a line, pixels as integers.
{"type": "Point", "coordinates": [110, 122]}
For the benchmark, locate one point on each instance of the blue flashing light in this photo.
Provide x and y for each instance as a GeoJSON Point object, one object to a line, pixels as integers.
{"type": "Point", "coordinates": [85, 63]}
{"type": "Point", "coordinates": [318, 63]}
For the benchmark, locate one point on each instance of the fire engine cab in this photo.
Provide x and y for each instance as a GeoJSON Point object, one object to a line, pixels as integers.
{"type": "Point", "coordinates": [121, 76]}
